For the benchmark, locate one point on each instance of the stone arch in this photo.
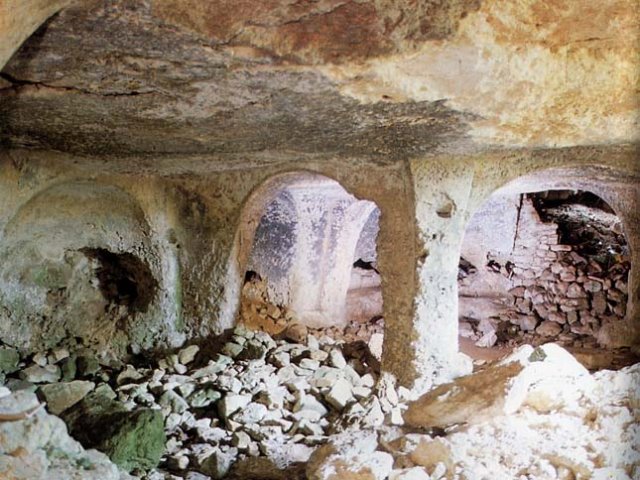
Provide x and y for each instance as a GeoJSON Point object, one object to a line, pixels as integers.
{"type": "Point", "coordinates": [357, 215]}
{"type": "Point", "coordinates": [622, 193]}
{"type": "Point", "coordinates": [326, 230]}
{"type": "Point", "coordinates": [615, 187]}
{"type": "Point", "coordinates": [81, 263]}
{"type": "Point", "coordinates": [366, 249]}
{"type": "Point", "coordinates": [446, 198]}
{"type": "Point", "coordinates": [273, 247]}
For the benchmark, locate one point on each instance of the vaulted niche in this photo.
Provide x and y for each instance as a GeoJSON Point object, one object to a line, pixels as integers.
{"type": "Point", "coordinates": [540, 267]}
{"type": "Point", "coordinates": [313, 258]}
{"type": "Point", "coordinates": [79, 269]}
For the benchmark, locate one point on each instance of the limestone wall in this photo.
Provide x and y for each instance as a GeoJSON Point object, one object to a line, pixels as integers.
{"type": "Point", "coordinates": [194, 222]}
{"type": "Point", "coordinates": [190, 232]}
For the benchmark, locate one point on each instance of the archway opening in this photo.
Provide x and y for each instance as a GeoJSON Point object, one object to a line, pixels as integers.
{"type": "Point", "coordinates": [312, 266]}
{"type": "Point", "coordinates": [538, 267]}
{"type": "Point", "coordinates": [74, 285]}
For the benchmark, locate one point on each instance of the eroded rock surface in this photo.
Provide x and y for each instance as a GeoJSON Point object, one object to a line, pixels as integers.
{"type": "Point", "coordinates": [36, 446]}
{"type": "Point", "coordinates": [381, 78]}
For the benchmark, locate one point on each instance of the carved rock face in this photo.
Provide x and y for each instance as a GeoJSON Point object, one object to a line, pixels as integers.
{"type": "Point", "coordinates": [384, 78]}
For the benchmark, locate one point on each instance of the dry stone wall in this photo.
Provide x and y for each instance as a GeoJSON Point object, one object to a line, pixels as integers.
{"type": "Point", "coordinates": [542, 286]}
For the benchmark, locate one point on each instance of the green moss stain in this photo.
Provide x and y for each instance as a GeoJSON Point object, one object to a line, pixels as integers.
{"type": "Point", "coordinates": [138, 442]}
{"type": "Point", "coordinates": [132, 440]}
{"type": "Point", "coordinates": [9, 359]}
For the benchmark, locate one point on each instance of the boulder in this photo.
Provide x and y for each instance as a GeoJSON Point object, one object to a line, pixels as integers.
{"type": "Point", "coordinates": [132, 439]}
{"type": "Point", "coordinates": [543, 378]}
{"type": "Point", "coordinates": [475, 397]}
{"type": "Point", "coordinates": [188, 354]}
{"type": "Point", "coordinates": [38, 447]}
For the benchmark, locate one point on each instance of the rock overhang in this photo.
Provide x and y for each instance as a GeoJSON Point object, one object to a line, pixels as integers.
{"type": "Point", "coordinates": [381, 79]}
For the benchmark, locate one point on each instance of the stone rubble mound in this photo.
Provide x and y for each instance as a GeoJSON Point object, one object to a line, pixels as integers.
{"type": "Point", "coordinates": [271, 409]}
{"type": "Point", "coordinates": [257, 397]}
{"type": "Point", "coordinates": [537, 415]}
{"type": "Point", "coordinates": [258, 312]}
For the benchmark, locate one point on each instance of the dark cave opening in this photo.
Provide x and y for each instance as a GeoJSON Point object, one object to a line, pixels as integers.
{"type": "Point", "coordinates": [123, 278]}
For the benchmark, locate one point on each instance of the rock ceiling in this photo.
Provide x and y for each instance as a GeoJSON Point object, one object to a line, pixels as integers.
{"type": "Point", "coordinates": [387, 79]}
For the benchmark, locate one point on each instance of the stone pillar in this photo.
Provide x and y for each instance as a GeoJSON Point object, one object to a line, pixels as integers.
{"type": "Point", "coordinates": [442, 194]}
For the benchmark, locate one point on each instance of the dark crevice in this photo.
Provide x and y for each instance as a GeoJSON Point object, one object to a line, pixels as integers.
{"type": "Point", "coordinates": [18, 83]}
{"type": "Point", "coordinates": [365, 265]}
{"type": "Point", "coordinates": [465, 268]}
{"type": "Point", "coordinates": [251, 276]}
{"type": "Point", "coordinates": [585, 221]}
{"type": "Point", "coordinates": [515, 233]}
{"type": "Point", "coordinates": [124, 279]}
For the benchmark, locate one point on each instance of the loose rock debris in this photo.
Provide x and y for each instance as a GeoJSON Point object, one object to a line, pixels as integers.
{"type": "Point", "coordinates": [266, 408]}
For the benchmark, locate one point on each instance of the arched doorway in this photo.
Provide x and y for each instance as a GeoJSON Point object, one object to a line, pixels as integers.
{"type": "Point", "coordinates": [306, 244]}
{"type": "Point", "coordinates": [543, 265]}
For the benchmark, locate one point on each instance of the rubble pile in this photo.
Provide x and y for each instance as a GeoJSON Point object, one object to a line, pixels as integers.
{"type": "Point", "coordinates": [267, 408]}
{"type": "Point", "coordinates": [537, 415]}
{"type": "Point", "coordinates": [258, 312]}
{"type": "Point", "coordinates": [191, 413]}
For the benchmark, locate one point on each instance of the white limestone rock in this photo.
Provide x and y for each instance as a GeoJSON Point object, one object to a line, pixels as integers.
{"type": "Point", "coordinates": [241, 441]}
{"type": "Point", "coordinates": [174, 402]}
{"type": "Point", "coordinates": [39, 374]}
{"type": "Point", "coordinates": [336, 359]}
{"type": "Point", "coordinates": [231, 403]}
{"type": "Point", "coordinates": [251, 413]}
{"type": "Point", "coordinates": [46, 451]}
{"type": "Point", "coordinates": [340, 394]}
{"type": "Point", "coordinates": [544, 378]}
{"type": "Point", "coordinates": [356, 454]}
{"type": "Point", "coordinates": [218, 464]}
